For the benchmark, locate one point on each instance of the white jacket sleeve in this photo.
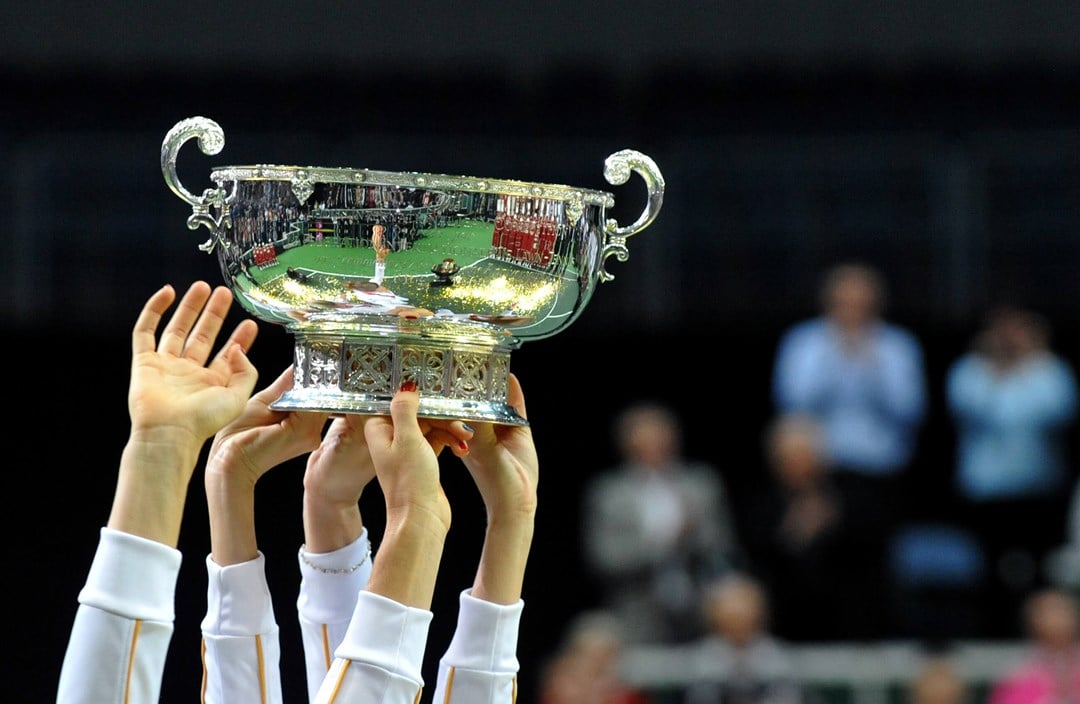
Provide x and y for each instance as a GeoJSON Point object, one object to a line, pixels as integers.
{"type": "Point", "coordinates": [480, 666]}
{"type": "Point", "coordinates": [329, 583]}
{"type": "Point", "coordinates": [380, 659]}
{"type": "Point", "coordinates": [241, 652]}
{"type": "Point", "coordinates": [124, 623]}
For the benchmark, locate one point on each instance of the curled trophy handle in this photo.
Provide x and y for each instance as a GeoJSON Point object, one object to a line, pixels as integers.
{"type": "Point", "coordinates": [617, 168]}
{"type": "Point", "coordinates": [211, 140]}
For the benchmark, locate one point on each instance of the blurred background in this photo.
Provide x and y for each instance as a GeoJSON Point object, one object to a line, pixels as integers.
{"type": "Point", "coordinates": [937, 141]}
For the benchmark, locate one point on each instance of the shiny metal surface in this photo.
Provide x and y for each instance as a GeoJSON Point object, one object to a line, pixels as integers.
{"type": "Point", "coordinates": [387, 276]}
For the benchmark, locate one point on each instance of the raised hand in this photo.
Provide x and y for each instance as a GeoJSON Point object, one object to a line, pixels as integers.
{"type": "Point", "coordinates": [417, 510]}
{"type": "Point", "coordinates": [503, 463]}
{"type": "Point", "coordinates": [172, 386]}
{"type": "Point", "coordinates": [242, 452]}
{"type": "Point", "coordinates": [341, 467]}
{"type": "Point", "coordinates": [337, 472]}
{"type": "Point", "coordinates": [176, 401]}
{"type": "Point", "coordinates": [262, 438]}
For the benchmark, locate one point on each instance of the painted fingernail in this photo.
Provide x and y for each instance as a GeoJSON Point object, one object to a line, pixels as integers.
{"type": "Point", "coordinates": [468, 428]}
{"type": "Point", "coordinates": [408, 385]}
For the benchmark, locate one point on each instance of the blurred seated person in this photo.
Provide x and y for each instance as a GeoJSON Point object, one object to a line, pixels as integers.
{"type": "Point", "coordinates": [795, 535]}
{"type": "Point", "coordinates": [938, 682]}
{"type": "Point", "coordinates": [1050, 672]}
{"type": "Point", "coordinates": [657, 527]}
{"type": "Point", "coordinates": [740, 661]}
{"type": "Point", "coordinates": [586, 669]}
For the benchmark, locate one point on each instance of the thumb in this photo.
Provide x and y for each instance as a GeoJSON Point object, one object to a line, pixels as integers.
{"type": "Point", "coordinates": [244, 375]}
{"type": "Point", "coordinates": [515, 396]}
{"type": "Point", "coordinates": [403, 410]}
{"type": "Point", "coordinates": [280, 385]}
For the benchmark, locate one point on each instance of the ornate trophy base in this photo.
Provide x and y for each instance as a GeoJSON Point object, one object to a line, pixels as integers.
{"type": "Point", "coordinates": [347, 372]}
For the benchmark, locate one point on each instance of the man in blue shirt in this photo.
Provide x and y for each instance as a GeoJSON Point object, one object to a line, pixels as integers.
{"type": "Point", "coordinates": [864, 379]}
{"type": "Point", "coordinates": [1012, 400]}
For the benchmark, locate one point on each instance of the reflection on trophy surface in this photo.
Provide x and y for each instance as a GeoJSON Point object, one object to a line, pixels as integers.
{"type": "Point", "coordinates": [383, 277]}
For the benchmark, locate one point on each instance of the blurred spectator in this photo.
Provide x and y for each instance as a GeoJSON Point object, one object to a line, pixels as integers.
{"type": "Point", "coordinates": [656, 528]}
{"type": "Point", "coordinates": [938, 682]}
{"type": "Point", "coordinates": [1050, 673]}
{"type": "Point", "coordinates": [1012, 399]}
{"type": "Point", "coordinates": [795, 535]}
{"type": "Point", "coordinates": [585, 670]}
{"type": "Point", "coordinates": [740, 661]}
{"type": "Point", "coordinates": [864, 378]}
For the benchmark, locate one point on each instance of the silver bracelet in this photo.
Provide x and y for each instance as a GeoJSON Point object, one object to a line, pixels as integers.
{"type": "Point", "coordinates": [335, 570]}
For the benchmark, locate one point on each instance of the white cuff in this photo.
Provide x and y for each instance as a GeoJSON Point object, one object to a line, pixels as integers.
{"type": "Point", "coordinates": [388, 635]}
{"type": "Point", "coordinates": [486, 636]}
{"type": "Point", "coordinates": [238, 601]}
{"type": "Point", "coordinates": [329, 585]}
{"type": "Point", "coordinates": [133, 577]}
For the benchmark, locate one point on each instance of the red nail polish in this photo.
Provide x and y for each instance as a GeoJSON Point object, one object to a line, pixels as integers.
{"type": "Point", "coordinates": [408, 385]}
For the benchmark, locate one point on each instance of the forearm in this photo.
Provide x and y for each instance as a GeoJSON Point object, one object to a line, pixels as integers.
{"type": "Point", "coordinates": [230, 498]}
{"type": "Point", "coordinates": [501, 573]}
{"type": "Point", "coordinates": [328, 525]}
{"type": "Point", "coordinates": [407, 563]}
{"type": "Point", "coordinates": [152, 485]}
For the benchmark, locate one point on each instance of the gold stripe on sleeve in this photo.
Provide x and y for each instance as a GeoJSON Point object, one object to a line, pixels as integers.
{"type": "Point", "coordinates": [202, 657]}
{"type": "Point", "coordinates": [262, 669]}
{"type": "Point", "coordinates": [449, 684]}
{"type": "Point", "coordinates": [327, 656]}
{"type": "Point", "coordinates": [131, 659]}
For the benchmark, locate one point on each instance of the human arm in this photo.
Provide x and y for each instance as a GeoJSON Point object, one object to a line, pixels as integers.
{"type": "Point", "coordinates": [614, 530]}
{"type": "Point", "coordinates": [380, 657]}
{"type": "Point", "coordinates": [240, 633]}
{"type": "Point", "coordinates": [335, 560]}
{"type": "Point", "coordinates": [176, 402]}
{"type": "Point", "coordinates": [969, 389]}
{"type": "Point", "coordinates": [178, 397]}
{"type": "Point", "coordinates": [1046, 393]}
{"type": "Point", "coordinates": [901, 376]}
{"type": "Point", "coordinates": [480, 665]}
{"type": "Point", "coordinates": [710, 537]}
{"type": "Point", "coordinates": [1041, 393]}
{"type": "Point", "coordinates": [808, 367]}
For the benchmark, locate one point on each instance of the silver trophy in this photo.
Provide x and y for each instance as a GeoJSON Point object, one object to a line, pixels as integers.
{"type": "Point", "coordinates": [383, 277]}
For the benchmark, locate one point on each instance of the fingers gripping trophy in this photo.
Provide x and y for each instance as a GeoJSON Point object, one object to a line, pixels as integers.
{"type": "Point", "coordinates": [367, 313]}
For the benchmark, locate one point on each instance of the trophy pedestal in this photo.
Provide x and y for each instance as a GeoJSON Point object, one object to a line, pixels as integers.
{"type": "Point", "coordinates": [459, 376]}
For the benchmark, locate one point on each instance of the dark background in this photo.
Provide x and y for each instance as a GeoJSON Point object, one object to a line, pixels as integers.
{"type": "Point", "coordinates": [938, 140]}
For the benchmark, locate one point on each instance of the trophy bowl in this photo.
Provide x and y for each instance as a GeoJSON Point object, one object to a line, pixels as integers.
{"type": "Point", "coordinates": [383, 277]}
